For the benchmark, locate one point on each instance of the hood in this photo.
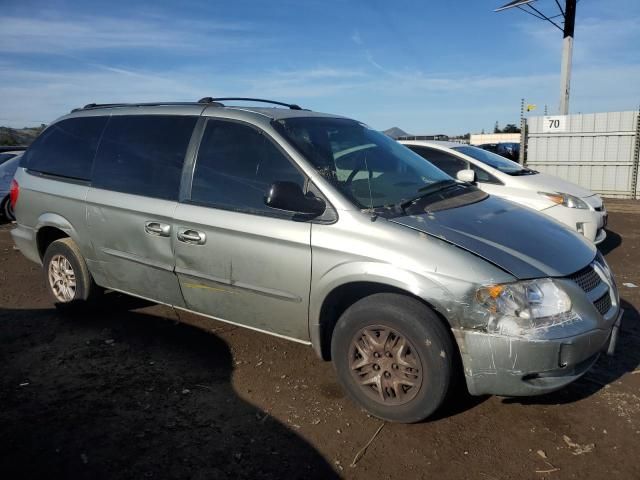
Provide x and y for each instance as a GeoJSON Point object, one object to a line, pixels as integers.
{"type": "Point", "coordinates": [519, 240]}
{"type": "Point", "coordinates": [541, 182]}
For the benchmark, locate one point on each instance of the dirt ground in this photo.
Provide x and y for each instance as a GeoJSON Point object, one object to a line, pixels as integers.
{"type": "Point", "coordinates": [130, 392]}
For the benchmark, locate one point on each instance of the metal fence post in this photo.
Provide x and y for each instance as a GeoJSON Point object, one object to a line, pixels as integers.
{"type": "Point", "coordinates": [523, 135]}
{"type": "Point", "coordinates": [636, 160]}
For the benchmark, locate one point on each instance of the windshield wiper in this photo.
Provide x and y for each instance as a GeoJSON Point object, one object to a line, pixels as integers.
{"type": "Point", "coordinates": [437, 186]}
{"type": "Point", "coordinates": [524, 171]}
{"type": "Point", "coordinates": [430, 190]}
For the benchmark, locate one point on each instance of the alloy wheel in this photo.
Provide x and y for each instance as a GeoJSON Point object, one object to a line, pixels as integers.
{"type": "Point", "coordinates": [62, 279]}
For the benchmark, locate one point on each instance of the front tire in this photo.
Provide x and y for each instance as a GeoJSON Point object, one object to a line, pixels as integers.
{"type": "Point", "coordinates": [393, 356]}
{"type": "Point", "coordinates": [67, 277]}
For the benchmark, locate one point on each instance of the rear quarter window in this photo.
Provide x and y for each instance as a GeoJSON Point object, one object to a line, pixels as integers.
{"type": "Point", "coordinates": [66, 148]}
{"type": "Point", "coordinates": [143, 155]}
{"type": "Point", "coordinates": [450, 164]}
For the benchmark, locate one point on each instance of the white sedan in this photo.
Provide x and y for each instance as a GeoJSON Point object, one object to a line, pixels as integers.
{"type": "Point", "coordinates": [578, 208]}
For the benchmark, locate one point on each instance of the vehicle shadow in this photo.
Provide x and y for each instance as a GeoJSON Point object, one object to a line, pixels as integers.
{"type": "Point", "coordinates": [458, 402]}
{"type": "Point", "coordinates": [124, 394]}
{"type": "Point", "coordinates": [607, 369]}
{"type": "Point", "coordinates": [610, 243]}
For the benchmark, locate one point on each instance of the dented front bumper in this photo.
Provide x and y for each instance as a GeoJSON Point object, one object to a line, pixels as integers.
{"type": "Point", "coordinates": [513, 366]}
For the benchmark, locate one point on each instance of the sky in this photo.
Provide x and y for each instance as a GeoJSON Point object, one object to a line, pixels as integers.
{"type": "Point", "coordinates": [429, 66]}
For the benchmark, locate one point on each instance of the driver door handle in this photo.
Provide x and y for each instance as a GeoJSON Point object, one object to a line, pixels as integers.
{"type": "Point", "coordinates": [191, 236]}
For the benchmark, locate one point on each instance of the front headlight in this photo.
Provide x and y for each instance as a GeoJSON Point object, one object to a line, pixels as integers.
{"type": "Point", "coordinates": [522, 308]}
{"type": "Point", "coordinates": [565, 199]}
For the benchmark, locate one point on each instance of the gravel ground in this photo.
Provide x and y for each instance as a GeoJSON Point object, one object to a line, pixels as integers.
{"type": "Point", "coordinates": [131, 392]}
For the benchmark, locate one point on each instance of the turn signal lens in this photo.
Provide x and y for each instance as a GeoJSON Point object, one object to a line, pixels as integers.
{"type": "Point", "coordinates": [555, 198]}
{"type": "Point", "coordinates": [565, 199]}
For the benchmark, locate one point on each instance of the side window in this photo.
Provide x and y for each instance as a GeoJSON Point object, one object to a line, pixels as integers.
{"type": "Point", "coordinates": [449, 164]}
{"type": "Point", "coordinates": [66, 148]}
{"type": "Point", "coordinates": [483, 176]}
{"type": "Point", "coordinates": [235, 167]}
{"type": "Point", "coordinates": [143, 155]}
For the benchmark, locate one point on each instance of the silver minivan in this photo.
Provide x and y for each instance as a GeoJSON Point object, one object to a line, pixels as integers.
{"type": "Point", "coordinates": [318, 229]}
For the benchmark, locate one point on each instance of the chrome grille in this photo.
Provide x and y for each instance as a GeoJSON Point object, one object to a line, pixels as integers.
{"type": "Point", "coordinates": [603, 304]}
{"type": "Point", "coordinates": [587, 278]}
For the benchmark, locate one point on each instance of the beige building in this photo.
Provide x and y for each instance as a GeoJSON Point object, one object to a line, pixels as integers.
{"type": "Point", "coordinates": [480, 138]}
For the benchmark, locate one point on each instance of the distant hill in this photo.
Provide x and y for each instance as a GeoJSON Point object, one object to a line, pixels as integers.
{"type": "Point", "coordinates": [395, 132]}
{"type": "Point", "coordinates": [19, 136]}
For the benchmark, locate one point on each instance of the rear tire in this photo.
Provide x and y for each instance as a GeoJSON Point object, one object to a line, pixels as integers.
{"type": "Point", "coordinates": [7, 209]}
{"type": "Point", "coordinates": [67, 277]}
{"type": "Point", "coordinates": [393, 356]}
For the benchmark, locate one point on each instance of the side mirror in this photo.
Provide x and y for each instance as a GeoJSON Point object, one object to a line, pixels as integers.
{"type": "Point", "coordinates": [288, 196]}
{"type": "Point", "coordinates": [467, 175]}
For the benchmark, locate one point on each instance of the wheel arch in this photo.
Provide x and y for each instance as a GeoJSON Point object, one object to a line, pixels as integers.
{"type": "Point", "coordinates": [346, 294]}
{"type": "Point", "coordinates": [52, 227]}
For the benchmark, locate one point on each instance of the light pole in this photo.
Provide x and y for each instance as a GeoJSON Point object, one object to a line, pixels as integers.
{"type": "Point", "coordinates": [567, 53]}
{"type": "Point", "coordinates": [569, 15]}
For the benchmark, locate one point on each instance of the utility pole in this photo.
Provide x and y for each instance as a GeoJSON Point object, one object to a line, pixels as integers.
{"type": "Point", "coordinates": [569, 17]}
{"type": "Point", "coordinates": [567, 53]}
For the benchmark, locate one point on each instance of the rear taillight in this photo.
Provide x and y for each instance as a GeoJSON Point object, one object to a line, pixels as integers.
{"type": "Point", "coordinates": [14, 193]}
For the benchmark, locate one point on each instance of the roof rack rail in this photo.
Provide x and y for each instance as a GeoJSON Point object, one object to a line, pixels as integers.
{"type": "Point", "coordinates": [292, 106]}
{"type": "Point", "coordinates": [210, 101]}
{"type": "Point", "coordinates": [90, 106]}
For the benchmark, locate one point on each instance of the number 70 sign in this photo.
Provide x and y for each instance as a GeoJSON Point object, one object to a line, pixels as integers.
{"type": "Point", "coordinates": [554, 123]}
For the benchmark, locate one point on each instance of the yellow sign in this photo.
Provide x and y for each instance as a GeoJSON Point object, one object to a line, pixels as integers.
{"type": "Point", "coordinates": [530, 107]}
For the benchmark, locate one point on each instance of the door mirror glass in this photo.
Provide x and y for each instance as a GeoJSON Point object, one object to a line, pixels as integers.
{"type": "Point", "coordinates": [288, 196]}
{"type": "Point", "coordinates": [466, 175]}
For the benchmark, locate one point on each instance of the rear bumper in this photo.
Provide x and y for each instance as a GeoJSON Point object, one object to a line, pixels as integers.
{"type": "Point", "coordinates": [512, 366]}
{"type": "Point", "coordinates": [25, 240]}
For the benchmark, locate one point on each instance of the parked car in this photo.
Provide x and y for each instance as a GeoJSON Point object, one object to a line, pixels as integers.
{"type": "Point", "coordinates": [7, 171]}
{"type": "Point", "coordinates": [12, 148]}
{"type": "Point", "coordinates": [578, 208]}
{"type": "Point", "coordinates": [5, 156]}
{"type": "Point", "coordinates": [321, 230]}
{"type": "Point", "coordinates": [508, 150]}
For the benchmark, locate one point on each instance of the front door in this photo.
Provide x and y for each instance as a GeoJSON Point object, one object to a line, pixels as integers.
{"type": "Point", "coordinates": [237, 259]}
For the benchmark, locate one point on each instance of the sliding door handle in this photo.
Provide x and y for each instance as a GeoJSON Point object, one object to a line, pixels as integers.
{"type": "Point", "coordinates": [158, 229]}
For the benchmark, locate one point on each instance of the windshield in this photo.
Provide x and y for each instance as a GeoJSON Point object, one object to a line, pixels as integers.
{"type": "Point", "coordinates": [370, 168]}
{"type": "Point", "coordinates": [493, 160]}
